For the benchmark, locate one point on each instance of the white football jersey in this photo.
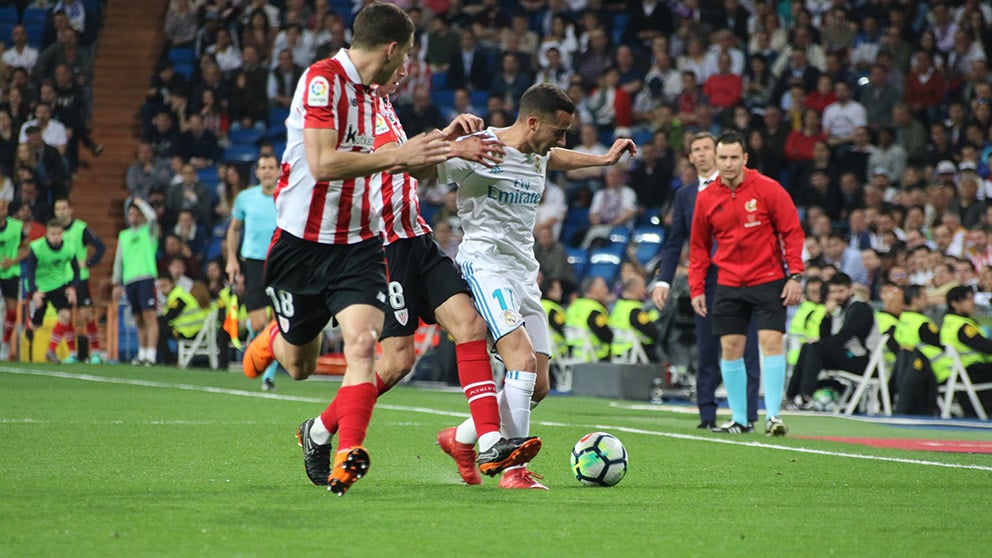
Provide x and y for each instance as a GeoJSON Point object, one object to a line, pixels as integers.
{"type": "Point", "coordinates": [498, 208]}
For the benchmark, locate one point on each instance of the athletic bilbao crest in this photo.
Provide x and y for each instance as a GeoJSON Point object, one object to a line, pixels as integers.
{"type": "Point", "coordinates": [402, 316]}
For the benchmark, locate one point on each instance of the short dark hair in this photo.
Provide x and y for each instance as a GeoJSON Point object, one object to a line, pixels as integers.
{"type": "Point", "coordinates": [729, 138]}
{"type": "Point", "coordinates": [55, 223]}
{"type": "Point", "coordinates": [701, 135]}
{"type": "Point", "coordinates": [959, 293]}
{"type": "Point", "coordinates": [380, 24]}
{"type": "Point", "coordinates": [545, 99]}
{"type": "Point", "coordinates": [840, 278]}
{"type": "Point", "coordinates": [911, 292]}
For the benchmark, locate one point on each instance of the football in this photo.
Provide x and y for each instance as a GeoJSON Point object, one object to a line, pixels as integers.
{"type": "Point", "coordinates": [599, 459]}
{"type": "Point", "coordinates": [825, 400]}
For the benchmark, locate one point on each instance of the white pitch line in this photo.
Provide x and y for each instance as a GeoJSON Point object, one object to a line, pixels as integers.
{"type": "Point", "coordinates": [428, 410]}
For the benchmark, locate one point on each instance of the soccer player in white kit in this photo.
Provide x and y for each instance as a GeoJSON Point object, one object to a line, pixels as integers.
{"type": "Point", "coordinates": [498, 208]}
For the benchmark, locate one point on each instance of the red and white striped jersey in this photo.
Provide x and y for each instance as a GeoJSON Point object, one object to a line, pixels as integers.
{"type": "Point", "coordinates": [329, 95]}
{"type": "Point", "coordinates": [398, 201]}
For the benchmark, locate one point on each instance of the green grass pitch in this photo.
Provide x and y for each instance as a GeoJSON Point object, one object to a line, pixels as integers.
{"type": "Point", "coordinates": [120, 461]}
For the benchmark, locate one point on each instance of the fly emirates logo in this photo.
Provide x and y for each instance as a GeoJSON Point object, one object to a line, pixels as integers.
{"type": "Point", "coordinates": [516, 196]}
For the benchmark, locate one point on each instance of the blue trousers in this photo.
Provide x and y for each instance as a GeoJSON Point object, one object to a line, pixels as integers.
{"type": "Point", "coordinates": [708, 376]}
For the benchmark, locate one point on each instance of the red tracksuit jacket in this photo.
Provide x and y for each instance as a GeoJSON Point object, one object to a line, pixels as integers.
{"type": "Point", "coordinates": [756, 230]}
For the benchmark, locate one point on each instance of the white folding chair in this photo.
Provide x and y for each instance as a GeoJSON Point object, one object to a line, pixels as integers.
{"type": "Point", "coordinates": [635, 354]}
{"type": "Point", "coordinates": [959, 381]}
{"type": "Point", "coordinates": [868, 390]}
{"type": "Point", "coordinates": [204, 343]}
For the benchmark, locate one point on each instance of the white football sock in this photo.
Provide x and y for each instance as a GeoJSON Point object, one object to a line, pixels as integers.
{"type": "Point", "coordinates": [465, 433]}
{"type": "Point", "coordinates": [515, 402]}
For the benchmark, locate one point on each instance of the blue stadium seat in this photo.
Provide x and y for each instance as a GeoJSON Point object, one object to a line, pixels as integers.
{"type": "Point", "coordinates": [34, 15]}
{"type": "Point", "coordinates": [241, 153]}
{"type": "Point", "coordinates": [245, 136]}
{"type": "Point", "coordinates": [439, 80]}
{"type": "Point", "coordinates": [208, 175]}
{"type": "Point", "coordinates": [278, 147]}
{"type": "Point", "coordinates": [606, 138]}
{"type": "Point", "coordinates": [480, 100]}
{"type": "Point", "coordinates": [578, 259]}
{"type": "Point", "coordinates": [648, 241]}
{"type": "Point", "coordinates": [6, 28]}
{"type": "Point", "coordinates": [619, 235]}
{"type": "Point", "coordinates": [184, 68]}
{"type": "Point", "coordinates": [642, 137]}
{"type": "Point", "coordinates": [35, 32]}
{"type": "Point", "coordinates": [182, 54]}
{"type": "Point", "coordinates": [604, 263]}
{"type": "Point", "coordinates": [620, 21]}
{"type": "Point", "coordinates": [442, 99]}
{"type": "Point", "coordinates": [8, 14]}
{"type": "Point", "coordinates": [576, 220]}
{"type": "Point", "coordinates": [277, 117]}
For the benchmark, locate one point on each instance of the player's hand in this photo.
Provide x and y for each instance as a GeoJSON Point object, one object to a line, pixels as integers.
{"type": "Point", "coordinates": [621, 146]}
{"type": "Point", "coordinates": [699, 305]}
{"type": "Point", "coordinates": [70, 295]}
{"type": "Point", "coordinates": [792, 293]}
{"type": "Point", "coordinates": [6, 263]}
{"type": "Point", "coordinates": [486, 151]}
{"type": "Point", "coordinates": [424, 150]}
{"type": "Point", "coordinates": [233, 269]}
{"type": "Point", "coordinates": [463, 125]}
{"type": "Point", "coordinates": [659, 296]}
{"type": "Point", "coordinates": [115, 293]}
{"type": "Point", "coordinates": [37, 298]}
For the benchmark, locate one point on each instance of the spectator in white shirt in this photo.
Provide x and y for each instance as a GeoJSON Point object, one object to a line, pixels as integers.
{"type": "Point", "coordinates": [225, 51]}
{"type": "Point", "coordinates": [53, 132]}
{"type": "Point", "coordinates": [613, 206]}
{"type": "Point", "coordinates": [842, 117]}
{"type": "Point", "coordinates": [21, 54]}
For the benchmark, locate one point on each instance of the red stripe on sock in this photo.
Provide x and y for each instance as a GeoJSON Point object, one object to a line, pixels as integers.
{"type": "Point", "coordinates": [474, 368]}
{"type": "Point", "coordinates": [93, 335]}
{"type": "Point", "coordinates": [57, 333]}
{"type": "Point", "coordinates": [354, 411]}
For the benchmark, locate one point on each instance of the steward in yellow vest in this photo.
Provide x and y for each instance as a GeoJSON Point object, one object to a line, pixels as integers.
{"type": "Point", "coordinates": [551, 293]}
{"type": "Point", "coordinates": [805, 325]}
{"type": "Point", "coordinates": [588, 318]}
{"type": "Point", "coordinates": [962, 332]}
{"type": "Point", "coordinates": [184, 315]}
{"type": "Point", "coordinates": [628, 315]}
{"type": "Point", "coordinates": [919, 343]}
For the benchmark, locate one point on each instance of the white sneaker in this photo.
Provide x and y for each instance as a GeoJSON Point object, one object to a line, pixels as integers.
{"type": "Point", "coordinates": [775, 427]}
{"type": "Point", "coordinates": [5, 352]}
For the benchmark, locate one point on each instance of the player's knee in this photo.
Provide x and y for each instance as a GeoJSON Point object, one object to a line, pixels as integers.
{"type": "Point", "coordinates": [394, 368]}
{"type": "Point", "coordinates": [361, 345]}
{"type": "Point", "coordinates": [470, 328]}
{"type": "Point", "coordinates": [300, 368]}
{"type": "Point", "coordinates": [522, 360]}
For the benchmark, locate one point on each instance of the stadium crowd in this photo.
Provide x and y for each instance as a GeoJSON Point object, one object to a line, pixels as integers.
{"type": "Point", "coordinates": [876, 115]}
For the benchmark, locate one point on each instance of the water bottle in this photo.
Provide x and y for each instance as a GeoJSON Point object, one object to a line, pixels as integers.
{"type": "Point", "coordinates": [657, 390]}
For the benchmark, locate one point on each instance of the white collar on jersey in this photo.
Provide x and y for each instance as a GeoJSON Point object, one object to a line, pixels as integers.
{"type": "Point", "coordinates": [705, 181]}
{"type": "Point", "coordinates": [349, 67]}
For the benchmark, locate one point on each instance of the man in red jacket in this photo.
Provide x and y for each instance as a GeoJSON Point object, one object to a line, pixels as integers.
{"type": "Point", "coordinates": [759, 244]}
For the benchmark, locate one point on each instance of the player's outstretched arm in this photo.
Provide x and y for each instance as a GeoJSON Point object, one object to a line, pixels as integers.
{"type": "Point", "coordinates": [566, 159]}
{"type": "Point", "coordinates": [463, 125]}
{"type": "Point", "coordinates": [328, 163]}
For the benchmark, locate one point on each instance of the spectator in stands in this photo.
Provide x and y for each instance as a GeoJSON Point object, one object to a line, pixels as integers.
{"type": "Point", "coordinates": [511, 81]}
{"type": "Point", "coordinates": [293, 39]}
{"type": "Point", "coordinates": [70, 109]}
{"type": "Point", "coordinates": [29, 196]}
{"type": "Point", "coordinates": [595, 59]}
{"type": "Point", "coordinates": [799, 143]}
{"type": "Point", "coordinates": [847, 337]}
{"type": "Point", "coordinates": [469, 66]}
{"type": "Point", "coordinates": [163, 137]}
{"type": "Point", "coordinates": [837, 252]}
{"type": "Point", "coordinates": [554, 71]}
{"type": "Point", "coordinates": [180, 25]}
{"type": "Point", "coordinates": [197, 145]}
{"type": "Point", "coordinates": [646, 21]}
{"type": "Point", "coordinates": [190, 194]}
{"type": "Point", "coordinates": [588, 315]}
{"type": "Point", "coordinates": [589, 179]}
{"type": "Point", "coordinates": [146, 173]}
{"type": "Point", "coordinates": [693, 59]}
{"type": "Point", "coordinates": [332, 37]}
{"type": "Point", "coordinates": [888, 155]}
{"type": "Point", "coordinates": [50, 171]}
{"type": "Point", "coordinates": [234, 179]}
{"type": "Point", "coordinates": [615, 205]}
{"type": "Point", "coordinates": [651, 176]}
{"type": "Point", "coordinates": [925, 87]}
{"type": "Point", "coordinates": [178, 260]}
{"type": "Point", "coordinates": [66, 51]}
{"type": "Point", "coordinates": [878, 96]}
{"type": "Point", "coordinates": [20, 54]}
{"type": "Point", "coordinates": [52, 131]}
{"type": "Point", "coordinates": [259, 35]}
{"type": "Point", "coordinates": [422, 114]}
{"type": "Point", "coordinates": [210, 79]}
{"type": "Point", "coordinates": [723, 88]}
{"type": "Point", "coordinates": [225, 52]}
{"type": "Point", "coordinates": [758, 83]}
{"type": "Point", "coordinates": [18, 108]}
{"type": "Point", "coordinates": [282, 80]}
{"type": "Point", "coordinates": [442, 44]}
{"type": "Point", "coordinates": [248, 105]}
{"type": "Point", "coordinates": [967, 205]}
{"type": "Point", "coordinates": [822, 96]}
{"type": "Point", "coordinates": [842, 117]}
{"type": "Point", "coordinates": [553, 259]}
{"type": "Point", "coordinates": [775, 132]}
{"type": "Point", "coordinates": [8, 142]}
{"type": "Point", "coordinates": [270, 11]}
{"type": "Point", "coordinates": [190, 233]}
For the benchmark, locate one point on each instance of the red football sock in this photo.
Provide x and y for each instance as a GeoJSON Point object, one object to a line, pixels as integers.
{"type": "Point", "coordinates": [93, 334]}
{"type": "Point", "coordinates": [330, 415]}
{"type": "Point", "coordinates": [8, 324]}
{"type": "Point", "coordinates": [475, 374]}
{"type": "Point", "coordinates": [70, 337]}
{"type": "Point", "coordinates": [57, 332]}
{"type": "Point", "coordinates": [354, 411]}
